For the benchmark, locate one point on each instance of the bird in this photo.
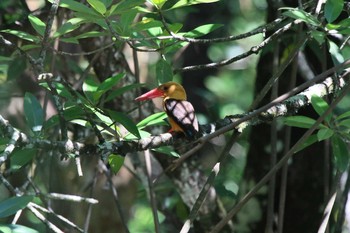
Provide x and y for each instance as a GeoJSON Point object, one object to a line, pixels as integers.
{"type": "Point", "coordinates": [180, 112]}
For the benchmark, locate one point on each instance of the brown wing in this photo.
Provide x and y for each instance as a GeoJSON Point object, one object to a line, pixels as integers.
{"type": "Point", "coordinates": [182, 113]}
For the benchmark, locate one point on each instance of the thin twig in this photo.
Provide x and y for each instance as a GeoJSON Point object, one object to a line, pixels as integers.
{"type": "Point", "coordinates": [280, 164]}
{"type": "Point", "coordinates": [151, 191]}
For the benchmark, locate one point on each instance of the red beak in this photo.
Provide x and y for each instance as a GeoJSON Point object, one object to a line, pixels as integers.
{"type": "Point", "coordinates": [150, 95]}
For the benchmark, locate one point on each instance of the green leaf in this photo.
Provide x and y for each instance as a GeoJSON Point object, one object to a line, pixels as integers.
{"type": "Point", "coordinates": [183, 3]}
{"type": "Point", "coordinates": [37, 24]}
{"type": "Point", "coordinates": [116, 162]}
{"type": "Point", "coordinates": [33, 112]}
{"type": "Point", "coordinates": [90, 86]}
{"type": "Point", "coordinates": [309, 141]}
{"type": "Point", "coordinates": [16, 68]}
{"type": "Point", "coordinates": [22, 35]}
{"type": "Point", "coordinates": [203, 30]}
{"type": "Point", "coordinates": [125, 121]}
{"type": "Point", "coordinates": [12, 205]}
{"type": "Point", "coordinates": [320, 106]}
{"type": "Point", "coordinates": [14, 228]}
{"type": "Point", "coordinates": [98, 6]}
{"type": "Point", "coordinates": [295, 13]}
{"type": "Point", "coordinates": [340, 153]}
{"type": "Point", "coordinates": [299, 121]}
{"type": "Point", "coordinates": [345, 123]}
{"type": "Point", "coordinates": [318, 36]}
{"type": "Point", "coordinates": [154, 119]}
{"type": "Point", "coordinates": [158, 3]}
{"type": "Point", "coordinates": [344, 115]}
{"type": "Point", "coordinates": [83, 36]}
{"type": "Point", "coordinates": [19, 158]}
{"type": "Point", "coordinates": [115, 93]}
{"type": "Point", "coordinates": [168, 150]}
{"type": "Point", "coordinates": [332, 9]}
{"type": "Point", "coordinates": [164, 71]}
{"type": "Point", "coordinates": [110, 82]}
{"type": "Point", "coordinates": [324, 134]}
{"type": "Point", "coordinates": [69, 26]}
{"type": "Point", "coordinates": [335, 52]}
{"type": "Point", "coordinates": [124, 5]}
{"type": "Point", "coordinates": [76, 6]}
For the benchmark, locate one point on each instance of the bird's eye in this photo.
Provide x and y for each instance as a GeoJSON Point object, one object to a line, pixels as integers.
{"type": "Point", "coordinates": [165, 88]}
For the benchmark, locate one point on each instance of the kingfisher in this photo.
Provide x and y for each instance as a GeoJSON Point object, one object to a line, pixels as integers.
{"type": "Point", "coordinates": [180, 112]}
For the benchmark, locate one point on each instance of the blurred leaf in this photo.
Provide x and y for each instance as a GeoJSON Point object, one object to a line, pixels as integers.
{"type": "Point", "coordinates": [33, 112]}
{"type": "Point", "coordinates": [168, 150]}
{"type": "Point", "coordinates": [203, 30]}
{"type": "Point", "coordinates": [164, 71]}
{"type": "Point", "coordinates": [125, 121]}
{"type": "Point", "coordinates": [90, 86]}
{"type": "Point", "coordinates": [124, 5]}
{"type": "Point", "coordinates": [345, 123]}
{"type": "Point", "coordinates": [309, 141]}
{"type": "Point", "coordinates": [301, 15]}
{"type": "Point", "coordinates": [158, 3]}
{"type": "Point", "coordinates": [147, 23]}
{"type": "Point", "coordinates": [69, 26]}
{"type": "Point", "coordinates": [14, 228]}
{"type": "Point", "coordinates": [318, 36]}
{"type": "Point", "coordinates": [110, 82]}
{"type": "Point", "coordinates": [12, 205]}
{"type": "Point", "coordinates": [37, 24]}
{"type": "Point", "coordinates": [336, 55]}
{"type": "Point", "coordinates": [154, 119]}
{"type": "Point", "coordinates": [16, 68]}
{"type": "Point", "coordinates": [98, 6]}
{"type": "Point", "coordinates": [299, 121]}
{"type": "Point", "coordinates": [21, 157]}
{"type": "Point", "coordinates": [183, 3]}
{"type": "Point", "coordinates": [22, 35]}
{"type": "Point", "coordinates": [83, 36]}
{"type": "Point", "coordinates": [76, 6]}
{"type": "Point", "coordinates": [116, 162]}
{"type": "Point", "coordinates": [118, 92]}
{"type": "Point", "coordinates": [344, 115]}
{"type": "Point", "coordinates": [324, 134]}
{"type": "Point", "coordinates": [340, 153]}
{"type": "Point", "coordinates": [320, 106]}
{"type": "Point", "coordinates": [332, 9]}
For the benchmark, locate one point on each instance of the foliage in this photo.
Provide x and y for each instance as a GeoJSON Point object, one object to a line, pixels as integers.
{"type": "Point", "coordinates": [94, 112]}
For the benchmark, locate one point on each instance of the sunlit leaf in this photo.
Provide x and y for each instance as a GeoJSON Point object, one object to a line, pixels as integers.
{"type": "Point", "coordinates": [332, 9]}
{"type": "Point", "coordinates": [110, 82]}
{"type": "Point", "coordinates": [335, 52]}
{"type": "Point", "coordinates": [115, 162]}
{"type": "Point", "coordinates": [124, 6]}
{"type": "Point", "coordinates": [14, 228]}
{"type": "Point", "coordinates": [98, 6]}
{"type": "Point", "coordinates": [69, 26]}
{"type": "Point", "coordinates": [183, 3]}
{"type": "Point", "coordinates": [203, 30]}
{"type": "Point", "coordinates": [154, 119]}
{"type": "Point", "coordinates": [301, 15]}
{"type": "Point", "coordinates": [10, 206]}
{"type": "Point", "coordinates": [37, 24]}
{"type": "Point", "coordinates": [22, 35]}
{"type": "Point", "coordinates": [320, 106]}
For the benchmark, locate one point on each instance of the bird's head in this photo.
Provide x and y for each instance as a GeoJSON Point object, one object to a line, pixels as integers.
{"type": "Point", "coordinates": [171, 90]}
